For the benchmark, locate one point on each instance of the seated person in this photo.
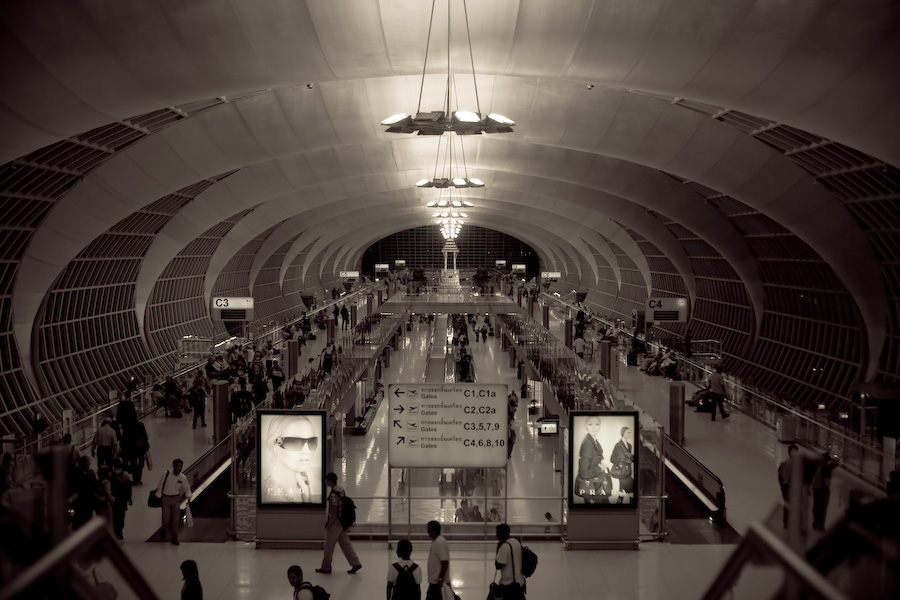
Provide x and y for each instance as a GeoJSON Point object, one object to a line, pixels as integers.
{"type": "Point", "coordinates": [669, 366]}
{"type": "Point", "coordinates": [650, 360]}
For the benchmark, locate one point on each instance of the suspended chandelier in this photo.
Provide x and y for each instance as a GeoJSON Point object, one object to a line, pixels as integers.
{"type": "Point", "coordinates": [452, 157]}
{"type": "Point", "coordinates": [438, 122]}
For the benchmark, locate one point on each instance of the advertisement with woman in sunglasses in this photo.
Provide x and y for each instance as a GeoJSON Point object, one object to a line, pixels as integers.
{"type": "Point", "coordinates": [290, 458]}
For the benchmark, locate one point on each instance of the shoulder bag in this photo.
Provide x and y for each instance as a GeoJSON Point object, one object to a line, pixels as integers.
{"type": "Point", "coordinates": [154, 501]}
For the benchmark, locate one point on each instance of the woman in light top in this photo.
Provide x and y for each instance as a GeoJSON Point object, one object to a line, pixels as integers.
{"type": "Point", "coordinates": [592, 468]}
{"type": "Point", "coordinates": [291, 472]}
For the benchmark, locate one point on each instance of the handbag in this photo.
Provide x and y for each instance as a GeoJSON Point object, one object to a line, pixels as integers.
{"type": "Point", "coordinates": [621, 470]}
{"type": "Point", "coordinates": [593, 487]}
{"type": "Point", "coordinates": [495, 591]}
{"type": "Point", "coordinates": [154, 501]}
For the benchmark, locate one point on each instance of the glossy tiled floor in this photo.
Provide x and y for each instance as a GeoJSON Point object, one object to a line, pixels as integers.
{"type": "Point", "coordinates": [742, 452]}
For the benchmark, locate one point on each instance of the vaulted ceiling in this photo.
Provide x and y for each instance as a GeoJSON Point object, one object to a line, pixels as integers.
{"type": "Point", "coordinates": [633, 116]}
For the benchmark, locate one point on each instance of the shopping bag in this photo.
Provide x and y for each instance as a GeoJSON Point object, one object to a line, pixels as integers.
{"type": "Point", "coordinates": [447, 593]}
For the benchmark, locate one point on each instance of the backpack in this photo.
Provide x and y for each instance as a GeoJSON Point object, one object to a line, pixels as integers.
{"type": "Point", "coordinates": [318, 591]}
{"type": "Point", "coordinates": [347, 516]}
{"type": "Point", "coordinates": [405, 588]}
{"type": "Point", "coordinates": [529, 561]}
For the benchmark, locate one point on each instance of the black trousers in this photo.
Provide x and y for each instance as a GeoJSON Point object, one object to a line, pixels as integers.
{"type": "Point", "coordinates": [200, 411]}
{"type": "Point", "coordinates": [717, 400]}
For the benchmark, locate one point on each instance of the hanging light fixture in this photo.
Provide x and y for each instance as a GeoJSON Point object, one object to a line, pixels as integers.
{"type": "Point", "coordinates": [438, 122]}
{"type": "Point", "coordinates": [452, 157]}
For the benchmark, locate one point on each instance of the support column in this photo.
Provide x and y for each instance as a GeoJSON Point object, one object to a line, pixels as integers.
{"type": "Point", "coordinates": [604, 358]}
{"type": "Point", "coordinates": [370, 305]}
{"type": "Point", "coordinates": [221, 414]}
{"type": "Point", "coordinates": [290, 362]}
{"type": "Point", "coordinates": [329, 328]}
{"type": "Point", "coordinates": [380, 297]}
{"type": "Point", "coordinates": [568, 339]}
{"type": "Point", "coordinates": [545, 314]}
{"type": "Point", "coordinates": [353, 314]}
{"type": "Point", "coordinates": [614, 365]}
{"type": "Point", "coordinates": [676, 411]}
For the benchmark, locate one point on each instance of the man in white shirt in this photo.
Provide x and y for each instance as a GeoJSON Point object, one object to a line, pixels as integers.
{"type": "Point", "coordinates": [509, 562]}
{"type": "Point", "coordinates": [173, 489]}
{"type": "Point", "coordinates": [579, 347]}
{"type": "Point", "coordinates": [438, 561]}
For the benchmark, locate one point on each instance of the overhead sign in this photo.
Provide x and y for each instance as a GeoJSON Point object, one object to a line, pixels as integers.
{"type": "Point", "coordinates": [400, 262]}
{"type": "Point", "coordinates": [448, 424]}
{"type": "Point", "coordinates": [669, 310]}
{"type": "Point", "coordinates": [349, 274]}
{"type": "Point", "coordinates": [518, 268]}
{"type": "Point", "coordinates": [382, 267]}
{"type": "Point", "coordinates": [550, 276]}
{"type": "Point", "coordinates": [500, 263]}
{"type": "Point", "coordinates": [231, 309]}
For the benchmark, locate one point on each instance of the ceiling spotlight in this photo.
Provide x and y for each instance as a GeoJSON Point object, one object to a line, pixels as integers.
{"type": "Point", "coordinates": [466, 203]}
{"type": "Point", "coordinates": [476, 182]}
{"type": "Point", "coordinates": [395, 119]}
{"type": "Point", "coordinates": [421, 182]}
{"type": "Point", "coordinates": [501, 119]}
{"type": "Point", "coordinates": [442, 203]}
{"type": "Point", "coordinates": [432, 203]}
{"type": "Point", "coordinates": [457, 203]}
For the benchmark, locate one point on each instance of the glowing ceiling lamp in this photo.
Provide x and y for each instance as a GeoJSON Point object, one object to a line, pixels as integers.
{"type": "Point", "coordinates": [438, 122]}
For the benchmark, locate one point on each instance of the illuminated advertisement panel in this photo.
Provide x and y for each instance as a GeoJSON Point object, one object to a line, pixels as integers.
{"type": "Point", "coordinates": [291, 458]}
{"type": "Point", "coordinates": [603, 460]}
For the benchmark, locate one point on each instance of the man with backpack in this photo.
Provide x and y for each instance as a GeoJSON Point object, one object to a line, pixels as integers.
{"type": "Point", "coordinates": [509, 562]}
{"type": "Point", "coordinates": [304, 590]}
{"type": "Point", "coordinates": [337, 523]}
{"type": "Point", "coordinates": [404, 578]}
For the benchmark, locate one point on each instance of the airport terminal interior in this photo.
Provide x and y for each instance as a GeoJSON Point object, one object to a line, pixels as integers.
{"type": "Point", "coordinates": [636, 203]}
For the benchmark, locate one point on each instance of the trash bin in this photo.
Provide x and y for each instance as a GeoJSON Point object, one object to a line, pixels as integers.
{"type": "Point", "coordinates": [787, 429]}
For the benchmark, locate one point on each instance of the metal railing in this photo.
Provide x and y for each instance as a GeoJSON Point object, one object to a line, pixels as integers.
{"type": "Point", "coordinates": [864, 459]}
{"type": "Point", "coordinates": [84, 425]}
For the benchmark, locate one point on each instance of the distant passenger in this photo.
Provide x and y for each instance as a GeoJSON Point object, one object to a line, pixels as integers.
{"type": "Point", "coordinates": [784, 481]}
{"type": "Point", "coordinates": [579, 347]}
{"type": "Point", "coordinates": [716, 392]}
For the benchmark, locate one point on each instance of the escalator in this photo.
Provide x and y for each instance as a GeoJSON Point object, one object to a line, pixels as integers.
{"type": "Point", "coordinates": [691, 518]}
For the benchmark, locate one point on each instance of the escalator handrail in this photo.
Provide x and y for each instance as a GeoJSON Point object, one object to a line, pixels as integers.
{"type": "Point", "coordinates": [717, 495]}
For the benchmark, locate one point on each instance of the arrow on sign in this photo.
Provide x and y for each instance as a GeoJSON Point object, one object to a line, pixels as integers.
{"type": "Point", "coordinates": [396, 423]}
{"type": "Point", "coordinates": [397, 392]}
{"type": "Point", "coordinates": [400, 440]}
{"type": "Point", "coordinates": [400, 408]}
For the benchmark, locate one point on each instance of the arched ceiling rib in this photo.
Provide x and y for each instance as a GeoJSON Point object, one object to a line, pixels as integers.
{"type": "Point", "coordinates": [827, 67]}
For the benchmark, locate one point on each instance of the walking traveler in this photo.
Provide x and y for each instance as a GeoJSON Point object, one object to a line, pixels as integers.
{"type": "Point", "coordinates": [509, 562]}
{"type": "Point", "coordinates": [173, 489]}
{"type": "Point", "coordinates": [335, 533]}
{"type": "Point", "coordinates": [438, 562]}
{"type": "Point", "coordinates": [104, 444]}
